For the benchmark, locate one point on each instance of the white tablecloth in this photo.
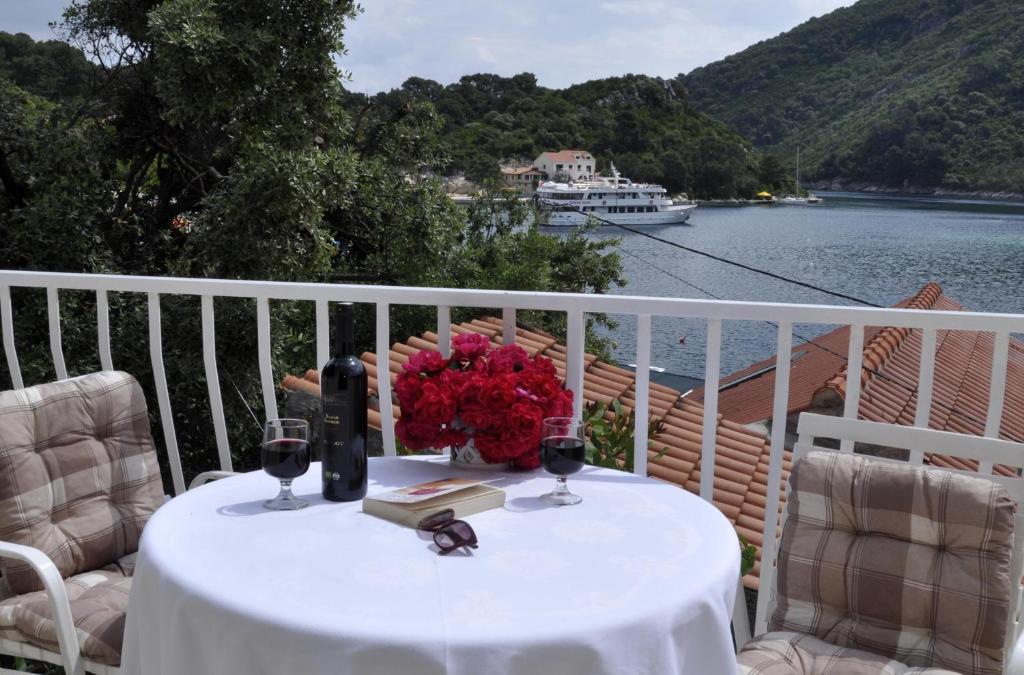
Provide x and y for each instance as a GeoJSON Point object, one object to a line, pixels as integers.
{"type": "Point", "coordinates": [639, 578]}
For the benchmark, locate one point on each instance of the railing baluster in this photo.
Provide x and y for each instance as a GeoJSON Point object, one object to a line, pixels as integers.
{"type": "Point", "coordinates": [220, 429]}
{"type": "Point", "coordinates": [387, 417]}
{"type": "Point", "coordinates": [103, 330]}
{"type": "Point", "coordinates": [53, 317]}
{"type": "Point", "coordinates": [508, 326]}
{"type": "Point", "coordinates": [925, 383]}
{"type": "Point", "coordinates": [996, 392]}
{"type": "Point", "coordinates": [163, 398]}
{"type": "Point", "coordinates": [266, 365]}
{"type": "Point", "coordinates": [444, 330]}
{"type": "Point", "coordinates": [7, 317]}
{"type": "Point", "coordinates": [780, 418]}
{"type": "Point", "coordinates": [574, 363]}
{"type": "Point", "coordinates": [323, 335]}
{"type": "Point", "coordinates": [854, 363]}
{"type": "Point", "coordinates": [643, 392]}
{"type": "Point", "coordinates": [710, 430]}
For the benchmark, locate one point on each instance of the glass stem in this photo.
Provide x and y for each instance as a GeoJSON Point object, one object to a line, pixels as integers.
{"type": "Point", "coordinates": [561, 488]}
{"type": "Point", "coordinates": [286, 489]}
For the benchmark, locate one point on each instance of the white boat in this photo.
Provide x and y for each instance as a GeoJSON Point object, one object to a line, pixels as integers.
{"type": "Point", "coordinates": [614, 199]}
{"type": "Point", "coordinates": [793, 200]}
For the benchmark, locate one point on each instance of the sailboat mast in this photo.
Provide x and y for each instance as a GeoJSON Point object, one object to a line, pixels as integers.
{"type": "Point", "coordinates": [798, 170]}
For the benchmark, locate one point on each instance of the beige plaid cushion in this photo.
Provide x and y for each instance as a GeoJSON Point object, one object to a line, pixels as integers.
{"type": "Point", "coordinates": [98, 603]}
{"type": "Point", "coordinates": [782, 653]}
{"type": "Point", "coordinates": [78, 473]}
{"type": "Point", "coordinates": [909, 562]}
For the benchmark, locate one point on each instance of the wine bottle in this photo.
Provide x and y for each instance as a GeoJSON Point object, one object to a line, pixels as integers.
{"type": "Point", "coordinates": [343, 394]}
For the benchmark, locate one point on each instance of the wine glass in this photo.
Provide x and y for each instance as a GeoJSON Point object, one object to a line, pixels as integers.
{"type": "Point", "coordinates": [561, 453]}
{"type": "Point", "coordinates": [286, 457]}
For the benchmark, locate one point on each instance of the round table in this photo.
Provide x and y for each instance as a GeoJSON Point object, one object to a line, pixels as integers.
{"type": "Point", "coordinates": [639, 578]}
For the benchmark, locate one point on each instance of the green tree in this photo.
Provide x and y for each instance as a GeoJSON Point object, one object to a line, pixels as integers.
{"type": "Point", "coordinates": [216, 139]}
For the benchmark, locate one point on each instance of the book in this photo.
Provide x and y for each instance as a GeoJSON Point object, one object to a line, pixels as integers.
{"type": "Point", "coordinates": [409, 505]}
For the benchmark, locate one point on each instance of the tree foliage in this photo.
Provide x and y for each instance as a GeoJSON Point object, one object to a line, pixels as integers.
{"type": "Point", "coordinates": [213, 139]}
{"type": "Point", "coordinates": [642, 124]}
{"type": "Point", "coordinates": [897, 93]}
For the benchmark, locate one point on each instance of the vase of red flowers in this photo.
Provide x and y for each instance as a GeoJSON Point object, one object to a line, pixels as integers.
{"type": "Point", "coordinates": [485, 403]}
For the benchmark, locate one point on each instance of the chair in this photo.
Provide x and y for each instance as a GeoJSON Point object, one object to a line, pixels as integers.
{"type": "Point", "coordinates": [890, 567]}
{"type": "Point", "coordinates": [79, 478]}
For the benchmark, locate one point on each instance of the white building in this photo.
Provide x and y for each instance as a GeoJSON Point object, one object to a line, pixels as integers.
{"type": "Point", "coordinates": [576, 164]}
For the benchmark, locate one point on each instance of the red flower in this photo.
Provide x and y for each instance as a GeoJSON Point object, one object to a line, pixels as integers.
{"type": "Point", "coordinates": [497, 398]}
{"type": "Point", "coordinates": [426, 361]}
{"type": "Point", "coordinates": [469, 346]}
{"type": "Point", "coordinates": [417, 435]}
{"type": "Point", "coordinates": [527, 460]}
{"type": "Point", "coordinates": [491, 447]}
{"type": "Point", "coordinates": [508, 359]}
{"type": "Point", "coordinates": [408, 387]}
{"type": "Point", "coordinates": [499, 392]}
{"type": "Point", "coordinates": [436, 404]}
{"type": "Point", "coordinates": [523, 424]}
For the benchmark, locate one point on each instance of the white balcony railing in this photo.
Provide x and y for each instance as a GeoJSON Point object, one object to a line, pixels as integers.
{"type": "Point", "coordinates": [574, 305]}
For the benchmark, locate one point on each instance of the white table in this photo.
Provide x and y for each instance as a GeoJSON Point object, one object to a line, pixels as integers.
{"type": "Point", "coordinates": [639, 578]}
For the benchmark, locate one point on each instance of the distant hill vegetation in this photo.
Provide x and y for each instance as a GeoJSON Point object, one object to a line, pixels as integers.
{"type": "Point", "coordinates": [642, 124]}
{"type": "Point", "coordinates": [891, 93]}
{"type": "Point", "coordinates": [49, 68]}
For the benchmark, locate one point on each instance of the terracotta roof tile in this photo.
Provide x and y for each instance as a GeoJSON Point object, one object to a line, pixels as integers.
{"type": "Point", "coordinates": [963, 363]}
{"type": "Point", "coordinates": [569, 156]}
{"type": "Point", "coordinates": [741, 480]}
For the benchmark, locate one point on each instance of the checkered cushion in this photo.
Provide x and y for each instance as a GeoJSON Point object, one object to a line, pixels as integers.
{"type": "Point", "coordinates": [78, 473]}
{"type": "Point", "coordinates": [783, 653]}
{"type": "Point", "coordinates": [98, 603]}
{"type": "Point", "coordinates": [909, 562]}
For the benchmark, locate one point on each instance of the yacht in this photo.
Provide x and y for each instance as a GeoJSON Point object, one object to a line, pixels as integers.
{"type": "Point", "coordinates": [615, 199]}
{"type": "Point", "coordinates": [795, 200]}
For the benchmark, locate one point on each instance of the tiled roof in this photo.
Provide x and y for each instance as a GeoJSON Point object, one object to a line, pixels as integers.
{"type": "Point", "coordinates": [889, 378]}
{"type": "Point", "coordinates": [741, 466]}
{"type": "Point", "coordinates": [568, 156]}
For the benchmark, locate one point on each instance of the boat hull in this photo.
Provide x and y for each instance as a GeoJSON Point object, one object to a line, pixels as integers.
{"type": "Point", "coordinates": [674, 215]}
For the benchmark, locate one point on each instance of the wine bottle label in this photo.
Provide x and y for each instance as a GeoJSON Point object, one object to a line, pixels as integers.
{"type": "Point", "coordinates": [337, 420]}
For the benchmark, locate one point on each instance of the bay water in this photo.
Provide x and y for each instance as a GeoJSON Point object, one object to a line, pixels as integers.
{"type": "Point", "coordinates": [877, 248]}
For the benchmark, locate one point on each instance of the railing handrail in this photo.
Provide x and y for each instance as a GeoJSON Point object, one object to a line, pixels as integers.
{"type": "Point", "coordinates": [730, 310]}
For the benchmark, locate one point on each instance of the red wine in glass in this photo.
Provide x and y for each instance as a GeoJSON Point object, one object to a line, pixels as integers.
{"type": "Point", "coordinates": [562, 455]}
{"type": "Point", "coordinates": [286, 457]}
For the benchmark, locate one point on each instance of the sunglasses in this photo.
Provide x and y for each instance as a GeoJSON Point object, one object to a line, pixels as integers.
{"type": "Point", "coordinates": [449, 534]}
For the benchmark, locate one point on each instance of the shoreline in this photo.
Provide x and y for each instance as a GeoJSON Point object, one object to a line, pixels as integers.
{"type": "Point", "coordinates": [910, 191]}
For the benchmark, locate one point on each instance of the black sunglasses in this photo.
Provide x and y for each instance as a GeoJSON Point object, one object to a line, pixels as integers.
{"type": "Point", "coordinates": [449, 534]}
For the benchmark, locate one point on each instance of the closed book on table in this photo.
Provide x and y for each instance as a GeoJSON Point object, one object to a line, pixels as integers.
{"type": "Point", "coordinates": [463, 502]}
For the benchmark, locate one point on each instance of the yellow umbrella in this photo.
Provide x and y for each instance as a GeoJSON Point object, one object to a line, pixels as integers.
{"type": "Point", "coordinates": [763, 195]}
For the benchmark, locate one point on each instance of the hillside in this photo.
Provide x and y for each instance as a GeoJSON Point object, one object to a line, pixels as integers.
{"type": "Point", "coordinates": [890, 93]}
{"type": "Point", "coordinates": [48, 68]}
{"type": "Point", "coordinates": [643, 124]}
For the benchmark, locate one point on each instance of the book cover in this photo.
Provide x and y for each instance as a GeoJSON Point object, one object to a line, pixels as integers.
{"type": "Point", "coordinates": [409, 505]}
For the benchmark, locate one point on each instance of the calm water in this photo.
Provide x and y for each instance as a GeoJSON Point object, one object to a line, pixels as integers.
{"type": "Point", "coordinates": [881, 249]}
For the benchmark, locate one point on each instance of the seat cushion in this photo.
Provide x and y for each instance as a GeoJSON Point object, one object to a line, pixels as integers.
{"type": "Point", "coordinates": [78, 473]}
{"type": "Point", "coordinates": [909, 562]}
{"type": "Point", "coordinates": [98, 603]}
{"type": "Point", "coordinates": [786, 653]}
